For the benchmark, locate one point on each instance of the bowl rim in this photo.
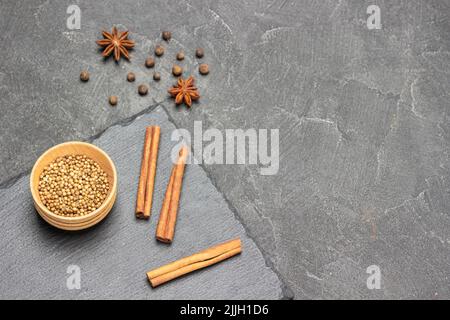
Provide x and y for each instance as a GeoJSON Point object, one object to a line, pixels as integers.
{"type": "Point", "coordinates": [77, 219]}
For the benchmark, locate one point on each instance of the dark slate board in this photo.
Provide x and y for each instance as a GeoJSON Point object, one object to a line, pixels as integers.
{"type": "Point", "coordinates": [114, 255]}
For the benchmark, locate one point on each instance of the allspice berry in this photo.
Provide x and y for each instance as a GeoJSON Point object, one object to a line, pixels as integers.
{"type": "Point", "coordinates": [156, 76]}
{"type": "Point", "coordinates": [131, 77]}
{"type": "Point", "coordinates": [159, 51]}
{"type": "Point", "coordinates": [150, 62]}
{"type": "Point", "coordinates": [203, 69]}
{"type": "Point", "coordinates": [84, 76]}
{"type": "Point", "coordinates": [199, 53]}
{"type": "Point", "coordinates": [177, 70]}
{"type": "Point", "coordinates": [166, 35]}
{"type": "Point", "coordinates": [113, 100]}
{"type": "Point", "coordinates": [180, 55]}
{"type": "Point", "coordinates": [142, 89]}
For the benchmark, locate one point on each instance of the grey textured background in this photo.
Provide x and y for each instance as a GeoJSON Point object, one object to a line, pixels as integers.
{"type": "Point", "coordinates": [363, 116]}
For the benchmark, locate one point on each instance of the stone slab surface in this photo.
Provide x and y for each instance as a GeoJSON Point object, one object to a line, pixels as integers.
{"type": "Point", "coordinates": [115, 255]}
{"type": "Point", "coordinates": [363, 118]}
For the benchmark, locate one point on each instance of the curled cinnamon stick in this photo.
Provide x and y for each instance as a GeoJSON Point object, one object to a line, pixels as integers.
{"type": "Point", "coordinates": [197, 261]}
{"type": "Point", "coordinates": [151, 171]}
{"type": "Point", "coordinates": [148, 170]}
{"type": "Point", "coordinates": [169, 210]}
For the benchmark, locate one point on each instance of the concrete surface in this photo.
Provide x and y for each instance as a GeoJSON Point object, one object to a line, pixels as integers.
{"type": "Point", "coordinates": [114, 256]}
{"type": "Point", "coordinates": [363, 118]}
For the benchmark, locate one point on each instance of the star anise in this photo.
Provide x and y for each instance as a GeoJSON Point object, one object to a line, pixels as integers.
{"type": "Point", "coordinates": [117, 42]}
{"type": "Point", "coordinates": [185, 91]}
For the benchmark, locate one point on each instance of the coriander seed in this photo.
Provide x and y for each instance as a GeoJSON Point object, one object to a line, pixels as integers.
{"type": "Point", "coordinates": [84, 76]}
{"type": "Point", "coordinates": [73, 185]}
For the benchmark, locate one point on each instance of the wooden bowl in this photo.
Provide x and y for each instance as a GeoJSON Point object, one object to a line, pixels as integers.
{"type": "Point", "coordinates": [71, 148]}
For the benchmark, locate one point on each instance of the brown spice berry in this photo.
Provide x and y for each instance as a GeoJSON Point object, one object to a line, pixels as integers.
{"type": "Point", "coordinates": [156, 76]}
{"type": "Point", "coordinates": [177, 70]}
{"type": "Point", "coordinates": [203, 69]}
{"type": "Point", "coordinates": [150, 62]}
{"type": "Point", "coordinates": [84, 76]}
{"type": "Point", "coordinates": [131, 77]}
{"type": "Point", "coordinates": [199, 53]}
{"type": "Point", "coordinates": [180, 55]}
{"type": "Point", "coordinates": [113, 100]}
{"type": "Point", "coordinates": [159, 51]}
{"type": "Point", "coordinates": [166, 35]}
{"type": "Point", "coordinates": [142, 89]}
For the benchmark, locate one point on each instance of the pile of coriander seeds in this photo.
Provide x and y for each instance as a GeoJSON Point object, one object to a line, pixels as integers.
{"type": "Point", "coordinates": [73, 185]}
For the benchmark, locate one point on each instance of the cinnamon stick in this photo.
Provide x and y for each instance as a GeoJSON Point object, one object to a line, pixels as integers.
{"type": "Point", "coordinates": [169, 210]}
{"type": "Point", "coordinates": [151, 171]}
{"type": "Point", "coordinates": [148, 170]}
{"type": "Point", "coordinates": [197, 261]}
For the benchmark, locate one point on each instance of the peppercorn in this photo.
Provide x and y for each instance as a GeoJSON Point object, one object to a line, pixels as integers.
{"type": "Point", "coordinates": [177, 70]}
{"type": "Point", "coordinates": [156, 76]}
{"type": "Point", "coordinates": [142, 89]}
{"type": "Point", "coordinates": [199, 53]}
{"type": "Point", "coordinates": [113, 100]}
{"type": "Point", "coordinates": [131, 77]}
{"type": "Point", "coordinates": [159, 51]}
{"type": "Point", "coordinates": [150, 62]}
{"type": "Point", "coordinates": [166, 35]}
{"type": "Point", "coordinates": [203, 69]}
{"type": "Point", "coordinates": [180, 55]}
{"type": "Point", "coordinates": [84, 76]}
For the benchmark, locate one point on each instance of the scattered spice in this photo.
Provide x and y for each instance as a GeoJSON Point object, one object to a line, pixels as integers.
{"type": "Point", "coordinates": [73, 185]}
{"type": "Point", "coordinates": [116, 42]}
{"type": "Point", "coordinates": [131, 77]}
{"type": "Point", "coordinates": [150, 62]}
{"type": "Point", "coordinates": [185, 91]}
{"type": "Point", "coordinates": [113, 100]}
{"type": "Point", "coordinates": [142, 89]}
{"type": "Point", "coordinates": [166, 35]}
{"type": "Point", "coordinates": [156, 76]}
{"type": "Point", "coordinates": [84, 76]}
{"type": "Point", "coordinates": [180, 55]}
{"type": "Point", "coordinates": [203, 69]}
{"type": "Point", "coordinates": [159, 50]}
{"type": "Point", "coordinates": [199, 53]}
{"type": "Point", "coordinates": [177, 70]}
